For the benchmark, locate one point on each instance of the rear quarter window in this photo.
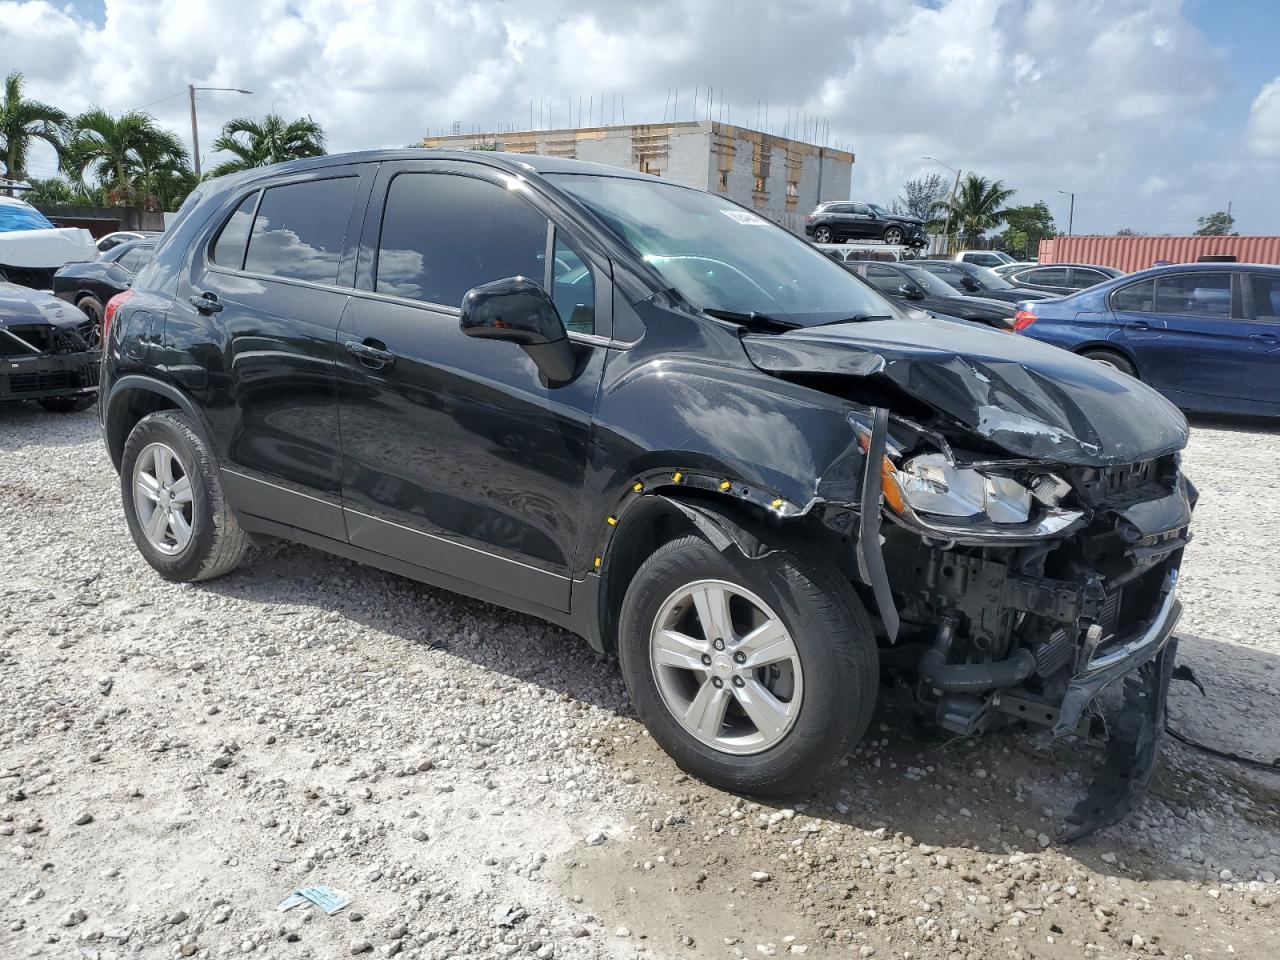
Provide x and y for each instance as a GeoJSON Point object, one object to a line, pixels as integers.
{"type": "Point", "coordinates": [228, 249]}
{"type": "Point", "coordinates": [300, 228]}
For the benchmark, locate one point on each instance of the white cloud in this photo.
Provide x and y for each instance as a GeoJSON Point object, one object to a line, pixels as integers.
{"type": "Point", "coordinates": [1096, 96]}
{"type": "Point", "coordinates": [1264, 121]}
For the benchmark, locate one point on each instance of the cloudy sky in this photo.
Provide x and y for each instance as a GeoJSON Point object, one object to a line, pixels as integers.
{"type": "Point", "coordinates": [1153, 111]}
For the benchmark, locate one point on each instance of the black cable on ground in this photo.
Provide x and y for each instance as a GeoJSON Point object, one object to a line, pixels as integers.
{"type": "Point", "coordinates": [1273, 766]}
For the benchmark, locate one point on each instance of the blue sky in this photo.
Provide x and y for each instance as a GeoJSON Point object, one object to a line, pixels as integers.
{"type": "Point", "coordinates": [1153, 111]}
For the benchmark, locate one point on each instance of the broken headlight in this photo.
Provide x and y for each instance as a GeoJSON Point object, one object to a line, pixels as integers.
{"type": "Point", "coordinates": [941, 498]}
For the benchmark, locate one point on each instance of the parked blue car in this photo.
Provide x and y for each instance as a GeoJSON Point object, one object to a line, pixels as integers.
{"type": "Point", "coordinates": [1206, 335]}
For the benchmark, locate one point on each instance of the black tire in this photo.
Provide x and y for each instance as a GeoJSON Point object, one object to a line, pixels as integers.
{"type": "Point", "coordinates": [217, 541]}
{"type": "Point", "coordinates": [68, 404]}
{"type": "Point", "coordinates": [1111, 359]}
{"type": "Point", "coordinates": [893, 235]}
{"type": "Point", "coordinates": [92, 308]}
{"type": "Point", "coordinates": [823, 235]}
{"type": "Point", "coordinates": [832, 635]}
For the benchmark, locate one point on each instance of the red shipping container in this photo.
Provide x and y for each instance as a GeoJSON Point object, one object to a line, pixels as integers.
{"type": "Point", "coordinates": [1139, 253]}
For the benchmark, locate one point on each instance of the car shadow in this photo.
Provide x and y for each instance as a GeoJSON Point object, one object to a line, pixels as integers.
{"type": "Point", "coordinates": [1241, 423]}
{"type": "Point", "coordinates": [1002, 793]}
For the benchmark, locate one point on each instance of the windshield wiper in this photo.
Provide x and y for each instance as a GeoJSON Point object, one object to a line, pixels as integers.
{"type": "Point", "coordinates": [856, 318]}
{"type": "Point", "coordinates": [760, 321]}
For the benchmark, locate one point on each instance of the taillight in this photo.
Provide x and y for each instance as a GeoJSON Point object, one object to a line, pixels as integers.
{"type": "Point", "coordinates": [109, 314]}
{"type": "Point", "coordinates": [1023, 319]}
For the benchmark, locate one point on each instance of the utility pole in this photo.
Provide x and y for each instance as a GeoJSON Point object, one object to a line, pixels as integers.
{"type": "Point", "coordinates": [1071, 210]}
{"type": "Point", "coordinates": [195, 133]}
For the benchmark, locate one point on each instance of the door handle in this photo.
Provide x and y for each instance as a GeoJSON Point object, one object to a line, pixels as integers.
{"type": "Point", "coordinates": [372, 353]}
{"type": "Point", "coordinates": [206, 302]}
{"type": "Point", "coordinates": [1138, 325]}
{"type": "Point", "coordinates": [1263, 337]}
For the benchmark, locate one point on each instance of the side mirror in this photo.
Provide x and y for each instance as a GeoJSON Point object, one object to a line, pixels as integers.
{"type": "Point", "coordinates": [519, 311]}
{"type": "Point", "coordinates": [970, 284]}
{"type": "Point", "coordinates": [911, 291]}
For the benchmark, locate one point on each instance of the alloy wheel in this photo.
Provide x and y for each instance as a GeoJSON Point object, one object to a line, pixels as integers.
{"type": "Point", "coordinates": [726, 667]}
{"type": "Point", "coordinates": [162, 499]}
{"type": "Point", "coordinates": [822, 235]}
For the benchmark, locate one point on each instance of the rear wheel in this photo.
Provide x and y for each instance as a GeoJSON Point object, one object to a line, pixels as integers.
{"type": "Point", "coordinates": [92, 308]}
{"type": "Point", "coordinates": [823, 235]}
{"type": "Point", "coordinates": [173, 501]}
{"type": "Point", "coordinates": [893, 235]}
{"type": "Point", "coordinates": [754, 676]}
{"type": "Point", "coordinates": [1109, 358]}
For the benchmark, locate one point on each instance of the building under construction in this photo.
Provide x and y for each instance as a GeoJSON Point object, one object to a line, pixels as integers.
{"type": "Point", "coordinates": [781, 179]}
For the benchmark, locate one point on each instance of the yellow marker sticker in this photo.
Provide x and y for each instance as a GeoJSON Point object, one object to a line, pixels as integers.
{"type": "Point", "coordinates": [637, 486]}
{"type": "Point", "coordinates": [777, 503]}
{"type": "Point", "coordinates": [599, 560]}
{"type": "Point", "coordinates": [611, 521]}
{"type": "Point", "coordinates": [677, 476]}
{"type": "Point", "coordinates": [725, 484]}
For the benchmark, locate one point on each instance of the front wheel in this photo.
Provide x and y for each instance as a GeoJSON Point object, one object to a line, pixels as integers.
{"type": "Point", "coordinates": [823, 235]}
{"type": "Point", "coordinates": [92, 308]}
{"type": "Point", "coordinates": [893, 235]}
{"type": "Point", "coordinates": [754, 675]}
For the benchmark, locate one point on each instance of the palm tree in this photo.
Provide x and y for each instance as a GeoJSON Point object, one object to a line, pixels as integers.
{"type": "Point", "coordinates": [128, 155]}
{"type": "Point", "coordinates": [23, 120]}
{"type": "Point", "coordinates": [978, 206]}
{"type": "Point", "coordinates": [272, 140]}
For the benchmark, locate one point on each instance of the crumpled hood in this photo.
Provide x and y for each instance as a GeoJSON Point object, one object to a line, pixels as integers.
{"type": "Point", "coordinates": [1029, 398]}
{"type": "Point", "coordinates": [22, 305]}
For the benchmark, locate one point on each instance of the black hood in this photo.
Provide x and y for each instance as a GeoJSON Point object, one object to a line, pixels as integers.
{"type": "Point", "coordinates": [1029, 398]}
{"type": "Point", "coordinates": [965, 307]}
{"type": "Point", "coordinates": [22, 305]}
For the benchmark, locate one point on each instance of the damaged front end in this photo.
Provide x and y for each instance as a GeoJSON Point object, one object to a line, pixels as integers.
{"type": "Point", "coordinates": [48, 349]}
{"type": "Point", "coordinates": [1021, 541]}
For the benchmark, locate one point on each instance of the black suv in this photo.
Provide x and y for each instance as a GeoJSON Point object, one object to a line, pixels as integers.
{"type": "Point", "coordinates": [841, 220]}
{"type": "Point", "coordinates": [648, 415]}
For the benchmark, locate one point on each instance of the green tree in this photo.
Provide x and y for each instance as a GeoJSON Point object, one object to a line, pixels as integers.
{"type": "Point", "coordinates": [920, 198]}
{"type": "Point", "coordinates": [1128, 232]}
{"type": "Point", "coordinates": [256, 143]}
{"type": "Point", "coordinates": [130, 157]}
{"type": "Point", "coordinates": [1026, 226]}
{"type": "Point", "coordinates": [21, 122]}
{"type": "Point", "coordinates": [1216, 224]}
{"type": "Point", "coordinates": [979, 206]}
{"type": "Point", "coordinates": [52, 190]}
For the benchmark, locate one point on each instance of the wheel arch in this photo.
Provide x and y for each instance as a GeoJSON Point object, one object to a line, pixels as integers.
{"type": "Point", "coordinates": [133, 397]}
{"type": "Point", "coordinates": [1109, 346]}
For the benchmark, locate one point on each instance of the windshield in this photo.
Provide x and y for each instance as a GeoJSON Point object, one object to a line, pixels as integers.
{"type": "Point", "coordinates": [930, 283]}
{"type": "Point", "coordinates": [720, 256]}
{"type": "Point", "coordinates": [22, 217]}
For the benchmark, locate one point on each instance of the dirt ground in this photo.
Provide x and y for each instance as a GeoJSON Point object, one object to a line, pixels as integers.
{"type": "Point", "coordinates": [175, 760]}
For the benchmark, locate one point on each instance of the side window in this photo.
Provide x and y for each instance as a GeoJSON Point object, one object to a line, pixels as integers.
{"type": "Point", "coordinates": [1266, 296]}
{"type": "Point", "coordinates": [861, 209]}
{"type": "Point", "coordinates": [443, 234]}
{"type": "Point", "coordinates": [1084, 277]}
{"type": "Point", "coordinates": [300, 228]}
{"type": "Point", "coordinates": [131, 260]}
{"type": "Point", "coordinates": [884, 278]}
{"type": "Point", "coordinates": [1135, 298]}
{"type": "Point", "coordinates": [1196, 294]}
{"type": "Point", "coordinates": [573, 289]}
{"type": "Point", "coordinates": [1049, 276]}
{"type": "Point", "coordinates": [228, 249]}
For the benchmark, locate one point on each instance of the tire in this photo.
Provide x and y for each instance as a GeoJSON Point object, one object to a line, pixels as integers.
{"type": "Point", "coordinates": [832, 641]}
{"type": "Point", "coordinates": [823, 235]}
{"type": "Point", "coordinates": [92, 308]}
{"type": "Point", "coordinates": [214, 541]}
{"type": "Point", "coordinates": [893, 235]}
{"type": "Point", "coordinates": [1110, 358]}
{"type": "Point", "coordinates": [68, 404]}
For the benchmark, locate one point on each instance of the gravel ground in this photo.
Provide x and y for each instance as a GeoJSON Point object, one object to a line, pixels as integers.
{"type": "Point", "coordinates": [174, 760]}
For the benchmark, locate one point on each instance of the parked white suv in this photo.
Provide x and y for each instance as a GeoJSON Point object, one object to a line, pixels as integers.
{"type": "Point", "coordinates": [984, 258]}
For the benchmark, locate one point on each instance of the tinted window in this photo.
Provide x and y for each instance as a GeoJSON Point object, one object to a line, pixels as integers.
{"type": "Point", "coordinates": [229, 248]}
{"type": "Point", "coordinates": [132, 260]}
{"type": "Point", "coordinates": [1266, 296]}
{"type": "Point", "coordinates": [573, 289]}
{"type": "Point", "coordinates": [885, 278]}
{"type": "Point", "coordinates": [1197, 294]}
{"type": "Point", "coordinates": [299, 229]}
{"type": "Point", "coordinates": [443, 235]}
{"type": "Point", "coordinates": [861, 209]}
{"type": "Point", "coordinates": [1049, 276]}
{"type": "Point", "coordinates": [1135, 298]}
{"type": "Point", "coordinates": [1084, 277]}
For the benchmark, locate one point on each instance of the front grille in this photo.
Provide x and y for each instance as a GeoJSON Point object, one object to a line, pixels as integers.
{"type": "Point", "coordinates": [42, 382]}
{"type": "Point", "coordinates": [1109, 617]}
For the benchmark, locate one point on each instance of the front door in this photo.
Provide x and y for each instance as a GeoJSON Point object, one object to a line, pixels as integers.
{"type": "Point", "coordinates": [457, 455]}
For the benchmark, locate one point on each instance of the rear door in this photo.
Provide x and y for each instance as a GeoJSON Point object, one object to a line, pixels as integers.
{"type": "Point", "coordinates": [1085, 277]}
{"type": "Point", "coordinates": [1189, 333]}
{"type": "Point", "coordinates": [251, 335]}
{"type": "Point", "coordinates": [1262, 307]}
{"type": "Point", "coordinates": [457, 456]}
